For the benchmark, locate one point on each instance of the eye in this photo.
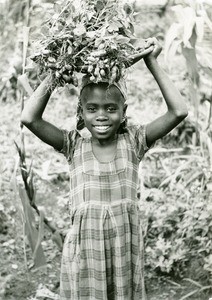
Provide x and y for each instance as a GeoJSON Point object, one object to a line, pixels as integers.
{"type": "Point", "coordinates": [111, 108]}
{"type": "Point", "coordinates": [91, 108]}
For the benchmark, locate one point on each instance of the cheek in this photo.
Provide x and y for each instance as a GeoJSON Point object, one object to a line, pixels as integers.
{"type": "Point", "coordinates": [88, 117]}
{"type": "Point", "coordinates": [117, 118]}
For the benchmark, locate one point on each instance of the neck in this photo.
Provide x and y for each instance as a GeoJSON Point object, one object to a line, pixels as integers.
{"type": "Point", "coordinates": [105, 142]}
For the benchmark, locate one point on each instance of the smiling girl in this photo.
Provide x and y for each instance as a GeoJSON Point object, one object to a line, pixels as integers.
{"type": "Point", "coordinates": [103, 250]}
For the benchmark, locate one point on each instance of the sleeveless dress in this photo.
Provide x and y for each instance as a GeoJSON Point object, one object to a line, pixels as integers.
{"type": "Point", "coordinates": [103, 250]}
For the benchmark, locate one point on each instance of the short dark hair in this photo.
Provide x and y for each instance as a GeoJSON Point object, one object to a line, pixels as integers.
{"type": "Point", "coordinates": [104, 85]}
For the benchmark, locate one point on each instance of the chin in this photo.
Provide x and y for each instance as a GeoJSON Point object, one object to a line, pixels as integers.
{"type": "Point", "coordinates": [103, 135]}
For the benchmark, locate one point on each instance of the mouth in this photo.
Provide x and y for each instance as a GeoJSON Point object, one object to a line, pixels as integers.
{"type": "Point", "coordinates": [102, 128]}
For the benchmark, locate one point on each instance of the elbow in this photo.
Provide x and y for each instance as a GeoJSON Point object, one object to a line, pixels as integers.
{"type": "Point", "coordinates": [182, 115]}
{"type": "Point", "coordinates": [26, 120]}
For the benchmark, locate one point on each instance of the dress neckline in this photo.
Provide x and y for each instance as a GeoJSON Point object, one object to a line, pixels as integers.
{"type": "Point", "coordinates": [104, 162]}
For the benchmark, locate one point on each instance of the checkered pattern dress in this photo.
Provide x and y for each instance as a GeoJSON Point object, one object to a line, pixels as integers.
{"type": "Point", "coordinates": [103, 251]}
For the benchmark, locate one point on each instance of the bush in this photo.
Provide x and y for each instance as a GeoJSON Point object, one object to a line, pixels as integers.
{"type": "Point", "coordinates": [179, 232]}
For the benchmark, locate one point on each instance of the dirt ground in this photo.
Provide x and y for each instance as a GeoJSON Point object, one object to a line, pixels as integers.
{"type": "Point", "coordinates": [18, 279]}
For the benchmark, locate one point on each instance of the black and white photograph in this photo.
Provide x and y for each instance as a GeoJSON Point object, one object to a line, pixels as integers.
{"type": "Point", "coordinates": [106, 150]}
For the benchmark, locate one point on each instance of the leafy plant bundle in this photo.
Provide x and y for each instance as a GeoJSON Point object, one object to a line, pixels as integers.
{"type": "Point", "coordinates": [88, 36]}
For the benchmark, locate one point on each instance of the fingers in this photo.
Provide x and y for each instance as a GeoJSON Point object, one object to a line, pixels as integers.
{"type": "Point", "coordinates": [151, 41]}
{"type": "Point", "coordinates": [136, 57]}
{"type": "Point", "coordinates": [157, 48]}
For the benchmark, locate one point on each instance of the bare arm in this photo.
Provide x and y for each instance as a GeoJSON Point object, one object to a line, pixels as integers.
{"type": "Point", "coordinates": [176, 107]}
{"type": "Point", "coordinates": [32, 113]}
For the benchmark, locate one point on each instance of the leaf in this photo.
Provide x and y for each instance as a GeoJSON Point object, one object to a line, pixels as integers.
{"type": "Point", "coordinates": [173, 48]}
{"type": "Point", "coordinates": [178, 9]}
{"type": "Point", "coordinates": [30, 230]}
{"type": "Point", "coordinates": [40, 237]}
{"type": "Point", "coordinates": [14, 184]}
{"type": "Point", "coordinates": [79, 30]}
{"type": "Point", "coordinates": [45, 30]}
{"type": "Point", "coordinates": [69, 20]}
{"type": "Point", "coordinates": [208, 21]}
{"type": "Point", "coordinates": [44, 292]}
{"type": "Point", "coordinates": [99, 5]}
{"type": "Point", "coordinates": [189, 23]}
{"type": "Point", "coordinates": [122, 39]}
{"type": "Point", "coordinates": [70, 50]}
{"type": "Point", "coordinates": [58, 7]}
{"type": "Point", "coordinates": [191, 59]}
{"type": "Point", "coordinates": [98, 42]}
{"type": "Point", "coordinates": [90, 15]}
{"type": "Point", "coordinates": [91, 34]}
{"type": "Point", "coordinates": [200, 28]}
{"type": "Point", "coordinates": [113, 27]}
{"type": "Point", "coordinates": [204, 57]}
{"type": "Point", "coordinates": [23, 80]}
{"type": "Point", "coordinates": [128, 8]}
{"type": "Point", "coordinates": [172, 34]}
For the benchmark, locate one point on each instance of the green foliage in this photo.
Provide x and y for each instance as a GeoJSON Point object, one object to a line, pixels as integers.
{"type": "Point", "coordinates": [186, 34]}
{"type": "Point", "coordinates": [179, 214]}
{"type": "Point", "coordinates": [181, 239]}
{"type": "Point", "coordinates": [179, 232]}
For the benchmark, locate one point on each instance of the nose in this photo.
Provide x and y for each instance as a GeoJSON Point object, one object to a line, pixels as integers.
{"type": "Point", "coordinates": [101, 118]}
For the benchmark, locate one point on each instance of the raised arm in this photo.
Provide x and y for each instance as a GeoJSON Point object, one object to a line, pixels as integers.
{"type": "Point", "coordinates": [176, 107]}
{"type": "Point", "coordinates": [32, 113]}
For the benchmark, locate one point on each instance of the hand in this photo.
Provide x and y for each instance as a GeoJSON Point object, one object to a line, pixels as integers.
{"type": "Point", "coordinates": [148, 49]}
{"type": "Point", "coordinates": [143, 52]}
{"type": "Point", "coordinates": [157, 48]}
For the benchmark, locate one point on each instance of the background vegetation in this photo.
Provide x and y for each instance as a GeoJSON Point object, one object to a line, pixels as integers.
{"type": "Point", "coordinates": [176, 176]}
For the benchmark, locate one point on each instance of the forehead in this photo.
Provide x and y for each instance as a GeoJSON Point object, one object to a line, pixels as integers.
{"type": "Point", "coordinates": [98, 93]}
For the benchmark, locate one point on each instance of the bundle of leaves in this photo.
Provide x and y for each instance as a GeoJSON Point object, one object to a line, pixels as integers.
{"type": "Point", "coordinates": [88, 36]}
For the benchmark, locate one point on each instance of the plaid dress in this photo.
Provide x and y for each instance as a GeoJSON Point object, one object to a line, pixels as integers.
{"type": "Point", "coordinates": [103, 250]}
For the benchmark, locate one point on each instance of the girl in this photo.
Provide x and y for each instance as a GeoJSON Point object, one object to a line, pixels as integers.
{"type": "Point", "coordinates": [103, 250]}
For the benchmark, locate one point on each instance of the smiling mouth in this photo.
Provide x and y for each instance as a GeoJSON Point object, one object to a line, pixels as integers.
{"type": "Point", "coordinates": [101, 128]}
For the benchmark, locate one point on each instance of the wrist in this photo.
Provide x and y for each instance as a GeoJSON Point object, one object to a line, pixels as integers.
{"type": "Point", "coordinates": [150, 61]}
{"type": "Point", "coordinates": [49, 83]}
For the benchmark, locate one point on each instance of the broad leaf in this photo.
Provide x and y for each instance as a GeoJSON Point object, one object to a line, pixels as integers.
{"type": "Point", "coordinates": [189, 23]}
{"type": "Point", "coordinates": [200, 28]}
{"type": "Point", "coordinates": [99, 5]}
{"type": "Point", "coordinates": [172, 34]}
{"type": "Point", "coordinates": [24, 81]}
{"type": "Point", "coordinates": [173, 49]}
{"type": "Point", "coordinates": [122, 39]}
{"type": "Point", "coordinates": [30, 230]}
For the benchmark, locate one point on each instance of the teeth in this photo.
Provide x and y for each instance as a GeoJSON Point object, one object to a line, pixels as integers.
{"type": "Point", "coordinates": [102, 128]}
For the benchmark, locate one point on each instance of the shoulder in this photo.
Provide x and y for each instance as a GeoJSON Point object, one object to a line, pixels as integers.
{"type": "Point", "coordinates": [133, 128]}
{"type": "Point", "coordinates": [136, 131]}
{"type": "Point", "coordinates": [70, 135]}
{"type": "Point", "coordinates": [70, 141]}
{"type": "Point", "coordinates": [136, 136]}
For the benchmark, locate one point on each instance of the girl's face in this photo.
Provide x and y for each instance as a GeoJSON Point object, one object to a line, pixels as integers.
{"type": "Point", "coordinates": [102, 115]}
